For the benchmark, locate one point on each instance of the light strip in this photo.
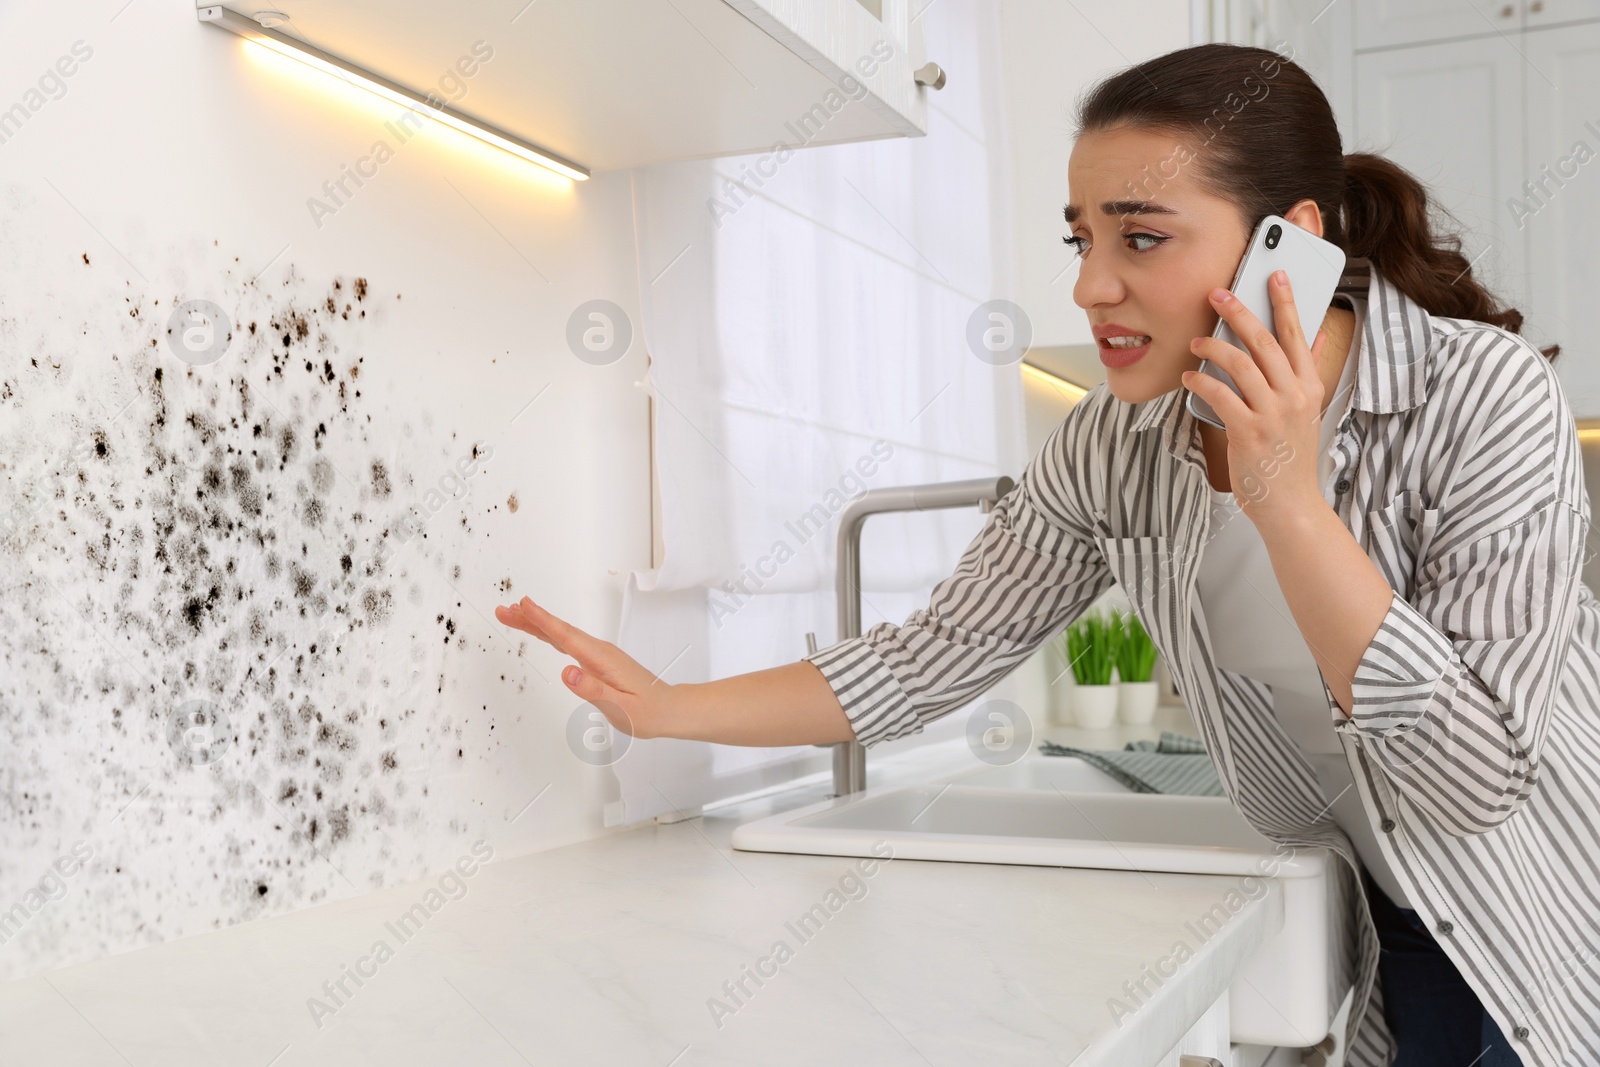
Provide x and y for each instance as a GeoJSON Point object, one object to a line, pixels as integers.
{"type": "Point", "coordinates": [253, 31]}
{"type": "Point", "coordinates": [1056, 381]}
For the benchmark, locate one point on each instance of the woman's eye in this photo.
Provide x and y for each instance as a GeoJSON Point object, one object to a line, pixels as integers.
{"type": "Point", "coordinates": [1079, 243]}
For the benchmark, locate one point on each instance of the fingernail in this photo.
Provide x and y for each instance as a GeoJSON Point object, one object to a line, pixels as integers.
{"type": "Point", "coordinates": [1221, 296]}
{"type": "Point", "coordinates": [1280, 277]}
{"type": "Point", "coordinates": [572, 676]}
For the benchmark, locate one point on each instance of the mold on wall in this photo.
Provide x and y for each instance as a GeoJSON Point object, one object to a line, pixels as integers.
{"type": "Point", "coordinates": [232, 611]}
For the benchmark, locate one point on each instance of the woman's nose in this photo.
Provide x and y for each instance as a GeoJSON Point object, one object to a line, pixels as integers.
{"type": "Point", "coordinates": [1096, 286]}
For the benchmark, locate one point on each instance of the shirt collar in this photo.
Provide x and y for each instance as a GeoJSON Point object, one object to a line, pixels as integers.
{"type": "Point", "coordinates": [1391, 368]}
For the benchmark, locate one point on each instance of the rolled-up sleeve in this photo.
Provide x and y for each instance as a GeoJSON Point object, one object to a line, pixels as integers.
{"type": "Point", "coordinates": [1454, 694]}
{"type": "Point", "coordinates": [1032, 568]}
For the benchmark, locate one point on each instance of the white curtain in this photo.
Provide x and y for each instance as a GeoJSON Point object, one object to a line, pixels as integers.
{"type": "Point", "coordinates": [807, 336]}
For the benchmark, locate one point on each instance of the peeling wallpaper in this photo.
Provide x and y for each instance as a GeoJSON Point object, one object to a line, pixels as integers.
{"type": "Point", "coordinates": [235, 611]}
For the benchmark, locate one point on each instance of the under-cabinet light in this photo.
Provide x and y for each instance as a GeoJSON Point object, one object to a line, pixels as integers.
{"type": "Point", "coordinates": [285, 45]}
{"type": "Point", "coordinates": [1055, 381]}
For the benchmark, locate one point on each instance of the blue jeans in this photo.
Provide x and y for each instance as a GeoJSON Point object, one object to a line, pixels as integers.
{"type": "Point", "coordinates": [1436, 1018]}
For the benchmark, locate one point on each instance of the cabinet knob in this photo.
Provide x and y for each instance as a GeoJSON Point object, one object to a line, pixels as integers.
{"type": "Point", "coordinates": [1508, 11]}
{"type": "Point", "coordinates": [1536, 7]}
{"type": "Point", "coordinates": [931, 75]}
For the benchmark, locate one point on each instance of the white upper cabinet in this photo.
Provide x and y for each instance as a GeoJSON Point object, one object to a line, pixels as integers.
{"type": "Point", "coordinates": [1384, 23]}
{"type": "Point", "coordinates": [612, 84]}
{"type": "Point", "coordinates": [1557, 206]}
{"type": "Point", "coordinates": [1452, 114]}
{"type": "Point", "coordinates": [1391, 22]}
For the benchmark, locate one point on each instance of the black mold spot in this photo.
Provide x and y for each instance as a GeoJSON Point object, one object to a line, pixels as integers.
{"type": "Point", "coordinates": [380, 479]}
{"type": "Point", "coordinates": [190, 525]}
{"type": "Point", "coordinates": [303, 580]}
{"type": "Point", "coordinates": [378, 604]}
{"type": "Point", "coordinates": [338, 824]}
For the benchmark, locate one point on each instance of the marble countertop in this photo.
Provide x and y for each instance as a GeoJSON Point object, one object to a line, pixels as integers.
{"type": "Point", "coordinates": [633, 948]}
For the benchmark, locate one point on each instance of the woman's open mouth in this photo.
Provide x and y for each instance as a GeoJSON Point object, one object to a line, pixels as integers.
{"type": "Point", "coordinates": [1122, 351]}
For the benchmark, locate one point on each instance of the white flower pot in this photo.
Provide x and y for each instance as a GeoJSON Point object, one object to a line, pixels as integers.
{"type": "Point", "coordinates": [1094, 706]}
{"type": "Point", "coordinates": [1136, 702]}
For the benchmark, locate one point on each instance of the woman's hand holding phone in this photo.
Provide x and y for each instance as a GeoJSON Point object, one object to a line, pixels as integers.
{"type": "Point", "coordinates": [1274, 428]}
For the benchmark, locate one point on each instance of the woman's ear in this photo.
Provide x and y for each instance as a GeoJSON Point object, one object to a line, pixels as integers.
{"type": "Point", "coordinates": [1306, 215]}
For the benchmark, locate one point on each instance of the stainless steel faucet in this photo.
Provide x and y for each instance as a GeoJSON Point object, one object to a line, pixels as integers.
{"type": "Point", "coordinates": [850, 757]}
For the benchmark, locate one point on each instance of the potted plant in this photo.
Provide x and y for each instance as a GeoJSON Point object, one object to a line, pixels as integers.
{"type": "Point", "coordinates": [1136, 658]}
{"type": "Point", "coordinates": [1091, 647]}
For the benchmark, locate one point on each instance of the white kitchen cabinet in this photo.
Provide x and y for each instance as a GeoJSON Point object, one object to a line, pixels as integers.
{"type": "Point", "coordinates": [1540, 14]}
{"type": "Point", "coordinates": [1387, 23]}
{"type": "Point", "coordinates": [1207, 1038]}
{"type": "Point", "coordinates": [1381, 23]}
{"type": "Point", "coordinates": [631, 82]}
{"type": "Point", "coordinates": [1451, 113]}
{"type": "Point", "coordinates": [1562, 219]}
{"type": "Point", "coordinates": [1503, 131]}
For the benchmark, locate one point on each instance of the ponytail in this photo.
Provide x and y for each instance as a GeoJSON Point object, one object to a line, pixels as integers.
{"type": "Point", "coordinates": [1268, 140]}
{"type": "Point", "coordinates": [1386, 221]}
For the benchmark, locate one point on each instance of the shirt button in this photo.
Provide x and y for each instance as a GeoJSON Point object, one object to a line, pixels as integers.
{"type": "Point", "coordinates": [1521, 1033]}
{"type": "Point", "coordinates": [1342, 485]}
{"type": "Point", "coordinates": [1387, 826]}
{"type": "Point", "coordinates": [1447, 927]}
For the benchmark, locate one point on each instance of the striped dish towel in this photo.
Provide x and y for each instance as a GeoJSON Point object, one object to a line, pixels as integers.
{"type": "Point", "coordinates": [1175, 764]}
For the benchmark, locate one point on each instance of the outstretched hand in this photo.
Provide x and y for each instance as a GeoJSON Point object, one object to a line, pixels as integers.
{"type": "Point", "coordinates": [631, 698]}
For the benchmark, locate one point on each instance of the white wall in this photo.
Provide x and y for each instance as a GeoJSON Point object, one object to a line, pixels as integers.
{"type": "Point", "coordinates": [1055, 51]}
{"type": "Point", "coordinates": [175, 167]}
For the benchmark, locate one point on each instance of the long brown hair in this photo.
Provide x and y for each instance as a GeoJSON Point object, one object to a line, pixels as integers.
{"type": "Point", "coordinates": [1269, 140]}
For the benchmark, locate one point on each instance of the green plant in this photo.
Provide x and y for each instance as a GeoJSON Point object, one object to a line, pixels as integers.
{"type": "Point", "coordinates": [1136, 653]}
{"type": "Point", "coordinates": [1091, 647]}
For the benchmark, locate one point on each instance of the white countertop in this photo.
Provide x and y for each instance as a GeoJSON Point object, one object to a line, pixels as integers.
{"type": "Point", "coordinates": [608, 952]}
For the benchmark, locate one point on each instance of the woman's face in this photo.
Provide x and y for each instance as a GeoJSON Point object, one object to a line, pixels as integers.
{"type": "Point", "coordinates": [1151, 245]}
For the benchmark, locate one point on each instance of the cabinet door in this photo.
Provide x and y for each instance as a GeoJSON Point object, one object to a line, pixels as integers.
{"type": "Point", "coordinates": [1451, 114]}
{"type": "Point", "coordinates": [1560, 210]}
{"type": "Point", "coordinates": [1207, 1038]}
{"type": "Point", "coordinates": [1383, 23]}
{"type": "Point", "coordinates": [1540, 13]}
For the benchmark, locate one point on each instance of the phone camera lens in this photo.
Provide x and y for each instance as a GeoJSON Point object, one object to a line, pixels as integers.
{"type": "Point", "coordinates": [1273, 233]}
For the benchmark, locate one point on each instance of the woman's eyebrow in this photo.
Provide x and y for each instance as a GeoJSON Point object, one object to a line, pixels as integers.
{"type": "Point", "coordinates": [1072, 212]}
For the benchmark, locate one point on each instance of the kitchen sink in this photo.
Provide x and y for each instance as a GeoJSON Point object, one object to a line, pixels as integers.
{"type": "Point", "coordinates": [1062, 812]}
{"type": "Point", "coordinates": [1066, 773]}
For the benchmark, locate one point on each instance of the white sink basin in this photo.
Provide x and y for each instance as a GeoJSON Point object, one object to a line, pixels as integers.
{"type": "Point", "coordinates": [1289, 993]}
{"type": "Point", "coordinates": [1049, 773]}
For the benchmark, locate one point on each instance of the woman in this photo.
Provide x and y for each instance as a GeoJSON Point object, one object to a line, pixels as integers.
{"type": "Point", "coordinates": [1401, 662]}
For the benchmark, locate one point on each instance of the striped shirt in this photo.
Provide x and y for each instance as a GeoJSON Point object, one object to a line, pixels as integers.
{"type": "Point", "coordinates": [1475, 734]}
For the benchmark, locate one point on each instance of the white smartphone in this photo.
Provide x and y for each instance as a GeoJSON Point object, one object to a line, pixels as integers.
{"type": "Point", "coordinates": [1314, 267]}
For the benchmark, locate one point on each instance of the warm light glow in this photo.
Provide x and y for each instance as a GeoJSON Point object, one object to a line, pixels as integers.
{"type": "Point", "coordinates": [1073, 391]}
{"type": "Point", "coordinates": [442, 117]}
